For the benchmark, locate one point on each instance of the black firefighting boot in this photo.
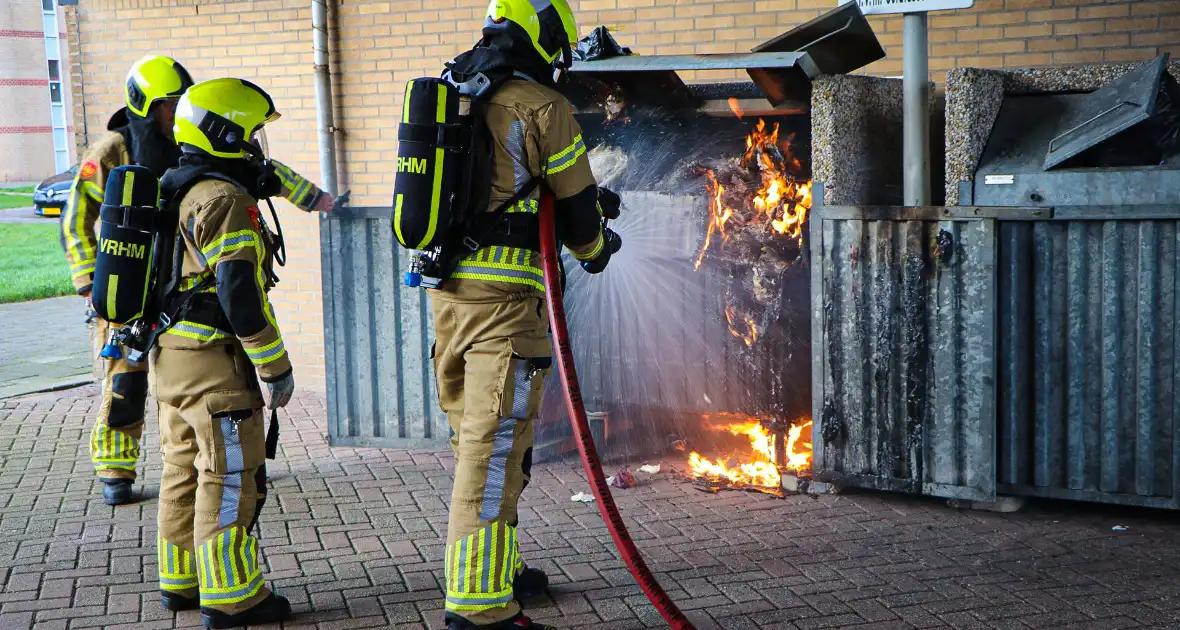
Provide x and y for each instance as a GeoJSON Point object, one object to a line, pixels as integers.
{"type": "Point", "coordinates": [116, 491]}
{"type": "Point", "coordinates": [273, 609]}
{"type": "Point", "coordinates": [519, 622]}
{"type": "Point", "coordinates": [529, 584]}
{"type": "Point", "coordinates": [177, 602]}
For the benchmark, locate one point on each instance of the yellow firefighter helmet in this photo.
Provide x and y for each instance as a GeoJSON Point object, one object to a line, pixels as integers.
{"type": "Point", "coordinates": [549, 24]}
{"type": "Point", "coordinates": [153, 78]}
{"type": "Point", "coordinates": [221, 116]}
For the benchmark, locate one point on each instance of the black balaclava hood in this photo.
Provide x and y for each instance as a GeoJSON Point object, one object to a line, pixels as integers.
{"type": "Point", "coordinates": [504, 50]}
{"type": "Point", "coordinates": [257, 178]}
{"type": "Point", "coordinates": [148, 146]}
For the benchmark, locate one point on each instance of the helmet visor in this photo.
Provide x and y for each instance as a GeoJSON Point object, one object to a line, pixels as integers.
{"type": "Point", "coordinates": [261, 148]}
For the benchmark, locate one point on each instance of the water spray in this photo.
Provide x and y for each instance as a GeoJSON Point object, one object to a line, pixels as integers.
{"type": "Point", "coordinates": [577, 411]}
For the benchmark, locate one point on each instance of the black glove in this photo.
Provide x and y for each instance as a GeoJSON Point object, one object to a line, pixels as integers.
{"type": "Point", "coordinates": [611, 244]}
{"type": "Point", "coordinates": [609, 203]}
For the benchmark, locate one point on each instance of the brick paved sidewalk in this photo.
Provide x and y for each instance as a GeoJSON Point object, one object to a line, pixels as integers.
{"type": "Point", "coordinates": [353, 537]}
{"type": "Point", "coordinates": [45, 344]}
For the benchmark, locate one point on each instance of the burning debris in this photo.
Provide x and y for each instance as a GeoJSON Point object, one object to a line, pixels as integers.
{"type": "Point", "coordinates": [754, 199]}
{"type": "Point", "coordinates": [616, 107]}
{"type": "Point", "coordinates": [757, 195]}
{"type": "Point", "coordinates": [759, 467]}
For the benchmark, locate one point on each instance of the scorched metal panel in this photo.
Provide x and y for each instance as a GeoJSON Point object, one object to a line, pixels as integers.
{"type": "Point", "coordinates": [1087, 381]}
{"type": "Point", "coordinates": [378, 335]}
{"type": "Point", "coordinates": [905, 364]}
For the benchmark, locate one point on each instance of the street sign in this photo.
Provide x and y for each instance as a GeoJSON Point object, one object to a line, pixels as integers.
{"type": "Point", "coordinates": [879, 7]}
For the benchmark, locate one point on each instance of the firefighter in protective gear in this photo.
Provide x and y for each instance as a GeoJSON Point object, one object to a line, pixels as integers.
{"type": "Point", "coordinates": [205, 368]}
{"type": "Point", "coordinates": [492, 349]}
{"type": "Point", "coordinates": [139, 133]}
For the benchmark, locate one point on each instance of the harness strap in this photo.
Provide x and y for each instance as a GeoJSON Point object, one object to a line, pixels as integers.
{"type": "Point", "coordinates": [450, 137]}
{"type": "Point", "coordinates": [485, 226]}
{"type": "Point", "coordinates": [141, 218]}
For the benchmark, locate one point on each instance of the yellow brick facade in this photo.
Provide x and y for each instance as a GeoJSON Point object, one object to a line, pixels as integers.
{"type": "Point", "coordinates": [379, 45]}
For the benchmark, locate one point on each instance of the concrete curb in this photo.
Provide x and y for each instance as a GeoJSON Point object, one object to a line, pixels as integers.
{"type": "Point", "coordinates": [56, 387]}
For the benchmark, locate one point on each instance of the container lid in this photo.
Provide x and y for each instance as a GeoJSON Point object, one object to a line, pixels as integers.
{"type": "Point", "coordinates": [1101, 115]}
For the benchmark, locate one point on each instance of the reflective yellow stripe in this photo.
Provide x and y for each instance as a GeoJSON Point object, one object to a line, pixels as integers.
{"type": "Point", "coordinates": [175, 567]}
{"type": "Point", "coordinates": [83, 249]}
{"type": "Point", "coordinates": [440, 116]}
{"type": "Point", "coordinates": [220, 562]}
{"type": "Point", "coordinates": [599, 243]}
{"type": "Point", "coordinates": [397, 219]}
{"type": "Point", "coordinates": [567, 157]}
{"type": "Point", "coordinates": [128, 186]}
{"type": "Point", "coordinates": [406, 102]}
{"type": "Point", "coordinates": [84, 269]}
{"type": "Point", "coordinates": [467, 559]}
{"type": "Point", "coordinates": [266, 354]}
{"type": "Point", "coordinates": [227, 243]}
{"type": "Point", "coordinates": [112, 449]}
{"type": "Point", "coordinates": [238, 576]}
{"type": "Point", "coordinates": [93, 190]}
{"type": "Point", "coordinates": [230, 547]}
{"type": "Point", "coordinates": [189, 284]}
{"type": "Point", "coordinates": [112, 290]}
{"type": "Point", "coordinates": [195, 331]}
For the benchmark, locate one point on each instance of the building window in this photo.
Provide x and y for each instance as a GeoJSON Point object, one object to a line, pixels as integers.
{"type": "Point", "coordinates": [54, 70]}
{"type": "Point", "coordinates": [47, 6]}
{"type": "Point", "coordinates": [55, 91]}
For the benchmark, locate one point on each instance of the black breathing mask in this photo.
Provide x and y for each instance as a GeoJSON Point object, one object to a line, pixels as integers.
{"type": "Point", "coordinates": [561, 64]}
{"type": "Point", "coordinates": [266, 180]}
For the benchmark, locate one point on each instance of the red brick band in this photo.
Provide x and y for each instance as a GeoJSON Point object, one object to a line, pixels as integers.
{"type": "Point", "coordinates": [14, 33]}
{"type": "Point", "coordinates": [31, 129]}
{"type": "Point", "coordinates": [20, 82]}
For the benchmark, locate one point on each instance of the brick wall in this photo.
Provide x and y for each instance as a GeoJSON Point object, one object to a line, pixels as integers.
{"type": "Point", "coordinates": [380, 44]}
{"type": "Point", "coordinates": [24, 94]}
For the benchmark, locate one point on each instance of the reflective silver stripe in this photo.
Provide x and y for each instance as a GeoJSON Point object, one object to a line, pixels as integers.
{"type": "Point", "coordinates": [493, 490]}
{"type": "Point", "coordinates": [231, 492]}
{"type": "Point", "coordinates": [514, 144]}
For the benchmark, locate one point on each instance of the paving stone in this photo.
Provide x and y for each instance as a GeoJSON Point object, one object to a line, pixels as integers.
{"type": "Point", "coordinates": [355, 538]}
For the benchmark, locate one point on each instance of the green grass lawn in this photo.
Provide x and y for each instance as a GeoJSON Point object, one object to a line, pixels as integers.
{"type": "Point", "coordinates": [32, 264]}
{"type": "Point", "coordinates": [19, 189]}
{"type": "Point", "coordinates": [15, 201]}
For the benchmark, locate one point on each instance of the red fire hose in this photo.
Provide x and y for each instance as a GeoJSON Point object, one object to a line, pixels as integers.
{"type": "Point", "coordinates": [577, 410]}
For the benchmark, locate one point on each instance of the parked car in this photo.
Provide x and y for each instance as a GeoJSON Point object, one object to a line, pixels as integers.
{"type": "Point", "coordinates": [49, 197]}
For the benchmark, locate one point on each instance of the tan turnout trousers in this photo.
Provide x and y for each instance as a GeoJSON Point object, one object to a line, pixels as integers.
{"type": "Point", "coordinates": [491, 355]}
{"type": "Point", "coordinates": [115, 437]}
{"type": "Point", "coordinates": [213, 438]}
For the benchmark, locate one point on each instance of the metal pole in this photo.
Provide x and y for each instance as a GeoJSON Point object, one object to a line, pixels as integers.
{"type": "Point", "coordinates": [323, 96]}
{"type": "Point", "coordinates": [916, 104]}
{"type": "Point", "coordinates": [327, 141]}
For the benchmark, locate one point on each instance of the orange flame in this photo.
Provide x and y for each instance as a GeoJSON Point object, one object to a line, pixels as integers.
{"type": "Point", "coordinates": [759, 468]}
{"type": "Point", "coordinates": [735, 106]}
{"type": "Point", "coordinates": [781, 202]}
{"type": "Point", "coordinates": [750, 334]}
